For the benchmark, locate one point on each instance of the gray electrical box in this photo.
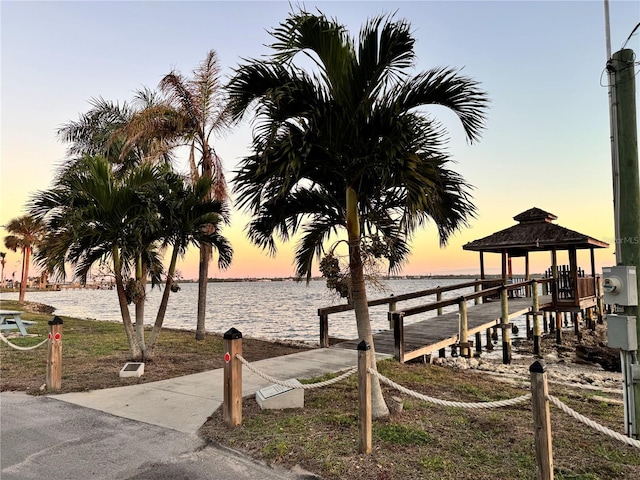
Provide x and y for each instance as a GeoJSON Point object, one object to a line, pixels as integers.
{"type": "Point", "coordinates": [620, 286]}
{"type": "Point", "coordinates": [621, 332]}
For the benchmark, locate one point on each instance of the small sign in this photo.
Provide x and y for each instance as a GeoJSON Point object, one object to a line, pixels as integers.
{"type": "Point", "coordinates": [227, 357]}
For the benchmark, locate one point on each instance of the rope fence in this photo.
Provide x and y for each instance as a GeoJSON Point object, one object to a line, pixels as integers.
{"type": "Point", "coordinates": [447, 403]}
{"type": "Point", "coordinates": [596, 426]}
{"type": "Point", "coordinates": [296, 385]}
{"type": "Point", "coordinates": [18, 347]}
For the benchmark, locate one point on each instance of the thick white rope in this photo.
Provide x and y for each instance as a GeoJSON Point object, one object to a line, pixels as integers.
{"type": "Point", "coordinates": [17, 347]}
{"type": "Point", "coordinates": [295, 384]}
{"type": "Point", "coordinates": [446, 403]}
{"type": "Point", "coordinates": [592, 424]}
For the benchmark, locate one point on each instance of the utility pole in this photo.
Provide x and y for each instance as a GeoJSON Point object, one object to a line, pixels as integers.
{"type": "Point", "coordinates": [628, 243]}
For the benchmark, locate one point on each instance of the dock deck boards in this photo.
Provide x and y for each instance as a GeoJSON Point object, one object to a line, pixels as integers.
{"type": "Point", "coordinates": [438, 332]}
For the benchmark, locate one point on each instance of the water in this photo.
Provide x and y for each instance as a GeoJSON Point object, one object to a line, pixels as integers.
{"type": "Point", "coordinates": [285, 310]}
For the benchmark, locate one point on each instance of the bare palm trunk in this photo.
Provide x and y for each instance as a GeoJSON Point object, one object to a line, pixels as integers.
{"type": "Point", "coordinates": [203, 277]}
{"type": "Point", "coordinates": [136, 352]}
{"type": "Point", "coordinates": [25, 273]}
{"type": "Point", "coordinates": [162, 309]}
{"type": "Point", "coordinates": [359, 299]}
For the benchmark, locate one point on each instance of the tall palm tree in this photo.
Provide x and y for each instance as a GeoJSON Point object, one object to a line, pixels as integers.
{"type": "Point", "coordinates": [95, 216]}
{"type": "Point", "coordinates": [3, 262]}
{"type": "Point", "coordinates": [201, 110]}
{"type": "Point", "coordinates": [348, 145]}
{"type": "Point", "coordinates": [25, 233]}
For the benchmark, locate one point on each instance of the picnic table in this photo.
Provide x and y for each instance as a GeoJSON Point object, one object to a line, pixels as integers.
{"type": "Point", "coordinates": [10, 320]}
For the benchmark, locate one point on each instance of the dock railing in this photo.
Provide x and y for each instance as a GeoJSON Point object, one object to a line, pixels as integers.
{"type": "Point", "coordinates": [396, 317]}
{"type": "Point", "coordinates": [392, 301]}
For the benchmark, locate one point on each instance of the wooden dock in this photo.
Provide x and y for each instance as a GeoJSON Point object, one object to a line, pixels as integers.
{"type": "Point", "coordinates": [432, 334]}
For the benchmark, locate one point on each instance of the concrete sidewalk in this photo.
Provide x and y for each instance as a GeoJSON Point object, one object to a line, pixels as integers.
{"type": "Point", "coordinates": [185, 403]}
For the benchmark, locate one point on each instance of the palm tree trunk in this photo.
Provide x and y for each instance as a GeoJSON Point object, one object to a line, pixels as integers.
{"type": "Point", "coordinates": [359, 298]}
{"type": "Point", "coordinates": [141, 275]}
{"type": "Point", "coordinates": [136, 352]}
{"type": "Point", "coordinates": [162, 309]}
{"type": "Point", "coordinates": [26, 254]}
{"type": "Point", "coordinates": [203, 277]}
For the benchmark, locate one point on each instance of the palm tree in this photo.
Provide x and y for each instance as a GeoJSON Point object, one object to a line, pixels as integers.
{"type": "Point", "coordinates": [349, 145]}
{"type": "Point", "coordinates": [3, 262]}
{"type": "Point", "coordinates": [25, 233]}
{"type": "Point", "coordinates": [200, 107]}
{"type": "Point", "coordinates": [95, 216]}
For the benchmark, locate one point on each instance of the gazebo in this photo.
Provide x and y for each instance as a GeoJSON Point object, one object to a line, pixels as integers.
{"type": "Point", "coordinates": [535, 231]}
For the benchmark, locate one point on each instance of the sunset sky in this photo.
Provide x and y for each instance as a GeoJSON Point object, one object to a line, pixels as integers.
{"type": "Point", "coordinates": [547, 142]}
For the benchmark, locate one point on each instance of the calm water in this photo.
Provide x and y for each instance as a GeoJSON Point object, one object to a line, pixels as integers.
{"type": "Point", "coordinates": [272, 310]}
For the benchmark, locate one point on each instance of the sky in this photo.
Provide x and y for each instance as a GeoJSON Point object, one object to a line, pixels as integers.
{"type": "Point", "coordinates": [546, 143]}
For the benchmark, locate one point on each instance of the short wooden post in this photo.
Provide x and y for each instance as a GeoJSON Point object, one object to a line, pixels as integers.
{"type": "Point", "coordinates": [324, 329]}
{"type": "Point", "coordinates": [439, 299]}
{"type": "Point", "coordinates": [504, 323]}
{"type": "Point", "coordinates": [398, 335]}
{"type": "Point", "coordinates": [559, 316]}
{"type": "Point", "coordinates": [442, 353]}
{"type": "Point", "coordinates": [392, 308]}
{"type": "Point", "coordinates": [541, 421]}
{"type": "Point", "coordinates": [536, 318]}
{"type": "Point", "coordinates": [364, 398]}
{"type": "Point", "coordinates": [232, 396]}
{"type": "Point", "coordinates": [489, 341]}
{"type": "Point", "coordinates": [54, 355]}
{"type": "Point", "coordinates": [545, 322]}
{"type": "Point", "coordinates": [478, 343]}
{"type": "Point", "coordinates": [476, 289]}
{"type": "Point", "coordinates": [464, 333]}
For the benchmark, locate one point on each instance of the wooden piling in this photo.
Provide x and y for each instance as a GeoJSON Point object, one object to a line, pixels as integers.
{"type": "Point", "coordinates": [398, 335]}
{"type": "Point", "coordinates": [54, 355]}
{"type": "Point", "coordinates": [478, 344]}
{"type": "Point", "coordinates": [536, 318]}
{"type": "Point", "coordinates": [324, 329]}
{"type": "Point", "coordinates": [541, 421]}
{"type": "Point", "coordinates": [364, 398]}
{"type": "Point", "coordinates": [504, 323]}
{"type": "Point", "coordinates": [464, 333]}
{"type": "Point", "coordinates": [392, 308]}
{"type": "Point", "coordinates": [232, 396]}
{"type": "Point", "coordinates": [439, 299]}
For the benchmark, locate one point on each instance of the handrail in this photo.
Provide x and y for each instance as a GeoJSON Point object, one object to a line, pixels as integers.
{"type": "Point", "coordinates": [402, 297]}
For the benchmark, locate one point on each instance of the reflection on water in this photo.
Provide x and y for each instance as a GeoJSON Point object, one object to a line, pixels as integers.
{"type": "Point", "coordinates": [273, 310]}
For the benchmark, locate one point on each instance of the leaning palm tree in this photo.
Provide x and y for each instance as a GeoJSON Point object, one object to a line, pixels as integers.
{"type": "Point", "coordinates": [348, 145]}
{"type": "Point", "coordinates": [25, 233]}
{"type": "Point", "coordinates": [201, 111]}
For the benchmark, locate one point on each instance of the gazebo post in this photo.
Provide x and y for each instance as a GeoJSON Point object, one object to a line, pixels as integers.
{"type": "Point", "coordinates": [504, 267]}
{"type": "Point", "coordinates": [527, 274]}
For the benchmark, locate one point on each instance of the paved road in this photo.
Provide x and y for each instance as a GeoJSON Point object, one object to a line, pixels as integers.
{"type": "Point", "coordinates": [44, 438]}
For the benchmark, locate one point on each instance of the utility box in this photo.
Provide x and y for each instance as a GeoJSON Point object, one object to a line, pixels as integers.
{"type": "Point", "coordinates": [620, 286]}
{"type": "Point", "coordinates": [277, 397]}
{"type": "Point", "coordinates": [621, 332]}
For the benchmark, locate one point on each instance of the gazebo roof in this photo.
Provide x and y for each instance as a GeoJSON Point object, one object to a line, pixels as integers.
{"type": "Point", "coordinates": [534, 232]}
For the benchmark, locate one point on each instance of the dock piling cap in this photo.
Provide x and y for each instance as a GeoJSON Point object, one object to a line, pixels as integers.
{"type": "Point", "coordinates": [55, 321]}
{"type": "Point", "coordinates": [537, 367]}
{"type": "Point", "coordinates": [232, 334]}
{"type": "Point", "coordinates": [363, 345]}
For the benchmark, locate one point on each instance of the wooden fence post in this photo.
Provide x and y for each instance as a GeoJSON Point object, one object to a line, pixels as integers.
{"type": "Point", "coordinates": [324, 329]}
{"type": "Point", "coordinates": [232, 398]}
{"type": "Point", "coordinates": [536, 318]}
{"type": "Point", "coordinates": [541, 421]}
{"type": "Point", "coordinates": [364, 398]}
{"type": "Point", "coordinates": [476, 288]}
{"type": "Point", "coordinates": [504, 323]}
{"type": "Point", "coordinates": [392, 308]}
{"type": "Point", "coordinates": [398, 335]}
{"type": "Point", "coordinates": [54, 355]}
{"type": "Point", "coordinates": [464, 334]}
{"type": "Point", "coordinates": [439, 299]}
